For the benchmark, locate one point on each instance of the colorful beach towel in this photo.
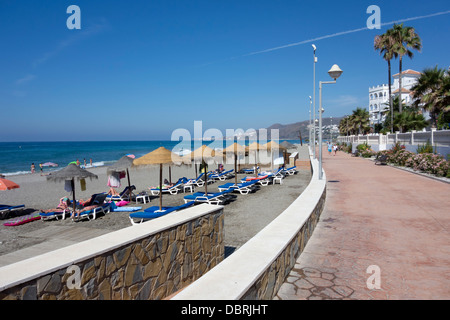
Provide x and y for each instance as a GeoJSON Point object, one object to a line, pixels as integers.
{"type": "Point", "coordinates": [22, 219]}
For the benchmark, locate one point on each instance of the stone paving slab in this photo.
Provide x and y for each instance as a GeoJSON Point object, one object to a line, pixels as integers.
{"type": "Point", "coordinates": [375, 217]}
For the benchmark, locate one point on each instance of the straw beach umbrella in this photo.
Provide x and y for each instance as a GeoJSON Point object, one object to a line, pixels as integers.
{"type": "Point", "coordinates": [71, 172]}
{"type": "Point", "coordinates": [161, 157]}
{"type": "Point", "coordinates": [272, 145]}
{"type": "Point", "coordinates": [235, 149]}
{"type": "Point", "coordinates": [123, 164]}
{"type": "Point", "coordinates": [255, 146]}
{"type": "Point", "coordinates": [205, 155]}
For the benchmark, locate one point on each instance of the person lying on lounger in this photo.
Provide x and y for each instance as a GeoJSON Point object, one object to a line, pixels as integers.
{"type": "Point", "coordinates": [113, 192]}
{"type": "Point", "coordinates": [64, 203]}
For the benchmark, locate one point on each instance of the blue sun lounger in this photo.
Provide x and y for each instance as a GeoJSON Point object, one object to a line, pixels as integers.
{"type": "Point", "coordinates": [222, 176]}
{"type": "Point", "coordinates": [123, 196]}
{"type": "Point", "coordinates": [252, 170]}
{"type": "Point", "coordinates": [6, 210]}
{"type": "Point", "coordinates": [210, 198]}
{"type": "Point", "coordinates": [242, 188]}
{"type": "Point", "coordinates": [290, 171]}
{"type": "Point", "coordinates": [172, 190]}
{"type": "Point", "coordinates": [54, 215]}
{"type": "Point", "coordinates": [154, 212]}
{"type": "Point", "coordinates": [102, 207]}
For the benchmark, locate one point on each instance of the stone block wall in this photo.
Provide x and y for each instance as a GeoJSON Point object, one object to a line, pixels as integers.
{"type": "Point", "coordinates": [153, 267]}
{"type": "Point", "coordinates": [267, 286]}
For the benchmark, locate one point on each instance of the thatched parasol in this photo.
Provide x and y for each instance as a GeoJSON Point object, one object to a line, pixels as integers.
{"type": "Point", "coordinates": [255, 146]}
{"type": "Point", "coordinates": [272, 145]}
{"type": "Point", "coordinates": [204, 154]}
{"type": "Point", "coordinates": [123, 164]}
{"type": "Point", "coordinates": [235, 149]}
{"type": "Point", "coordinates": [71, 172]}
{"type": "Point", "coordinates": [160, 156]}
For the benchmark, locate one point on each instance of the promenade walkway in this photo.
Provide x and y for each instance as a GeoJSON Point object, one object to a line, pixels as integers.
{"type": "Point", "coordinates": [384, 234]}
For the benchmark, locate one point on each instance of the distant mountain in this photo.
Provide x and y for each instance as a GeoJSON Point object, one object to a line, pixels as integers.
{"type": "Point", "coordinates": [291, 131]}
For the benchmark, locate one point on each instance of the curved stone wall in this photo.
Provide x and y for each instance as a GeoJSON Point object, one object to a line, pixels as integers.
{"type": "Point", "coordinates": [258, 269]}
{"type": "Point", "coordinates": [146, 261]}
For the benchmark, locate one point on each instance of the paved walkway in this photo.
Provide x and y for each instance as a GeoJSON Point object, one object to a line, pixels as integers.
{"type": "Point", "coordinates": [384, 234]}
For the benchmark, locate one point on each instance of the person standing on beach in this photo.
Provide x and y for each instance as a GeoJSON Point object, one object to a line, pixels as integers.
{"type": "Point", "coordinates": [33, 168]}
{"type": "Point", "coordinates": [85, 162]}
{"type": "Point", "coordinates": [42, 168]}
{"type": "Point", "coordinates": [78, 162]}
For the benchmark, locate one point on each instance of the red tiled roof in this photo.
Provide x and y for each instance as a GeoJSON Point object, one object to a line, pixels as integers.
{"type": "Point", "coordinates": [404, 90]}
{"type": "Point", "coordinates": [409, 71]}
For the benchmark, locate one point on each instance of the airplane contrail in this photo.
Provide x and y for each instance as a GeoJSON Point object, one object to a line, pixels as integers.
{"type": "Point", "coordinates": [343, 33]}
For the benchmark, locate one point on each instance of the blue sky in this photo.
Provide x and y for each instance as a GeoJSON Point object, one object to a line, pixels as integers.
{"type": "Point", "coordinates": [137, 70]}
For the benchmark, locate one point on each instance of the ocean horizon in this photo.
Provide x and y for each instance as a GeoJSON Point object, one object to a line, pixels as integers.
{"type": "Point", "coordinates": [16, 157]}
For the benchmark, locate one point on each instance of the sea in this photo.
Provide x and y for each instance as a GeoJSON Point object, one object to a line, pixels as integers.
{"type": "Point", "coordinates": [16, 157]}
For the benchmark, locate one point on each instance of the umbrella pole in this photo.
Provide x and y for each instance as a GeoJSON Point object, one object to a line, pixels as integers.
{"type": "Point", "coordinates": [170, 175]}
{"type": "Point", "coordinates": [235, 167]}
{"type": "Point", "coordinates": [73, 192]}
{"type": "Point", "coordinates": [206, 177]}
{"type": "Point", "coordinates": [129, 185]}
{"type": "Point", "coordinates": [160, 185]}
{"type": "Point", "coordinates": [256, 165]}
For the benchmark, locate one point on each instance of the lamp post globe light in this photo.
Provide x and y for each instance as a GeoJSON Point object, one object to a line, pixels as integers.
{"type": "Point", "coordinates": [335, 72]}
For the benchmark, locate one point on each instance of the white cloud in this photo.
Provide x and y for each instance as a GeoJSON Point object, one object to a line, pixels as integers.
{"type": "Point", "coordinates": [25, 79]}
{"type": "Point", "coordinates": [345, 101]}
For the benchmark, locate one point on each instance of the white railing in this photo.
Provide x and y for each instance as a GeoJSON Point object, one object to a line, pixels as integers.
{"type": "Point", "coordinates": [439, 139]}
{"type": "Point", "coordinates": [435, 137]}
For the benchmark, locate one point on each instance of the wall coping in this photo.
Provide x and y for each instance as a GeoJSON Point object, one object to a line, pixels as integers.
{"type": "Point", "coordinates": [235, 275]}
{"type": "Point", "coordinates": [35, 267]}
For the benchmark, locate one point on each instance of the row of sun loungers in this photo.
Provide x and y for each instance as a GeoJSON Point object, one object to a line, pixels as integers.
{"type": "Point", "coordinates": [100, 203]}
{"type": "Point", "coordinates": [248, 184]}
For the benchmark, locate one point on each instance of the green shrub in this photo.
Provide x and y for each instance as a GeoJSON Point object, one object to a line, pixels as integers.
{"type": "Point", "coordinates": [425, 148]}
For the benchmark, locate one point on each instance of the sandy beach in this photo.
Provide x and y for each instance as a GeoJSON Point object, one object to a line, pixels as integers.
{"type": "Point", "coordinates": [245, 216]}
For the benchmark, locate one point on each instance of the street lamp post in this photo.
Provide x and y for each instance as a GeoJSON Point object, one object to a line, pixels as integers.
{"type": "Point", "coordinates": [335, 72]}
{"type": "Point", "coordinates": [314, 102]}
{"type": "Point", "coordinates": [331, 130]}
{"type": "Point", "coordinates": [310, 105]}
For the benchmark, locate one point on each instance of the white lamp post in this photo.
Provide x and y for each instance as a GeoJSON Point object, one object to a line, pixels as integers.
{"type": "Point", "coordinates": [335, 72]}
{"type": "Point", "coordinates": [310, 105]}
{"type": "Point", "coordinates": [314, 102]}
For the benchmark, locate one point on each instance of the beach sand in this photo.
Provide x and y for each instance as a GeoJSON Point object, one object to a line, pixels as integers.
{"type": "Point", "coordinates": [244, 217]}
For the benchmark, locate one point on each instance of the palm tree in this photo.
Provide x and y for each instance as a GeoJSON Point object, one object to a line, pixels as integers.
{"type": "Point", "coordinates": [360, 120]}
{"type": "Point", "coordinates": [385, 44]}
{"type": "Point", "coordinates": [344, 126]}
{"type": "Point", "coordinates": [432, 92]}
{"type": "Point", "coordinates": [405, 38]}
{"type": "Point", "coordinates": [408, 120]}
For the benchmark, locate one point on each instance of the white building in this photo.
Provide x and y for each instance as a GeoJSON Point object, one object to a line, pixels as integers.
{"type": "Point", "coordinates": [379, 95]}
